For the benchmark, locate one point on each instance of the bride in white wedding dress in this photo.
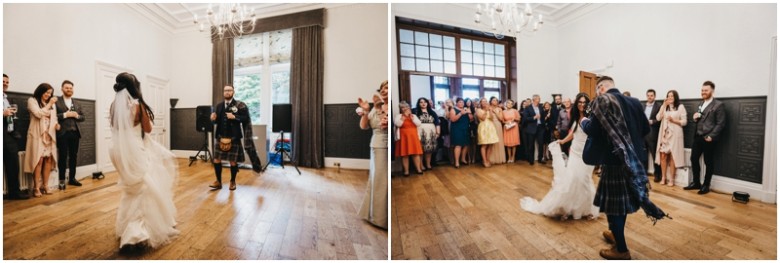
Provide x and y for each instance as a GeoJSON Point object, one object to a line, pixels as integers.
{"type": "Point", "coordinates": [147, 170]}
{"type": "Point", "coordinates": [572, 192]}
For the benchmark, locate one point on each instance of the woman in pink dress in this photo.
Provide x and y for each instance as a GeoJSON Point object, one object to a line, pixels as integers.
{"type": "Point", "coordinates": [511, 134]}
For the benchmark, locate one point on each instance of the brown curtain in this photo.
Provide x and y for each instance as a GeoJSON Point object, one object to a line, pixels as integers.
{"type": "Point", "coordinates": [306, 93]}
{"type": "Point", "coordinates": [221, 67]}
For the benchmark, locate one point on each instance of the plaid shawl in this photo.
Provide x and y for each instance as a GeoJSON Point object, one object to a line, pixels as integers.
{"type": "Point", "coordinates": [606, 108]}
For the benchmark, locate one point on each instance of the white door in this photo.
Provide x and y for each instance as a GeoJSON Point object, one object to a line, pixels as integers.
{"type": "Point", "coordinates": [156, 95]}
{"type": "Point", "coordinates": [105, 78]}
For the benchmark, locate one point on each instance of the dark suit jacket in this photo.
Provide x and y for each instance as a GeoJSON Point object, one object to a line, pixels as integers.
{"type": "Point", "coordinates": [529, 123]}
{"type": "Point", "coordinates": [637, 124]}
{"type": "Point", "coordinates": [713, 119]}
{"type": "Point", "coordinates": [652, 137]}
{"type": "Point", "coordinates": [68, 124]}
{"type": "Point", "coordinates": [227, 127]}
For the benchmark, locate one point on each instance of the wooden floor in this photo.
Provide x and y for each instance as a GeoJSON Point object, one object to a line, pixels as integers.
{"type": "Point", "coordinates": [276, 215]}
{"type": "Point", "coordinates": [474, 213]}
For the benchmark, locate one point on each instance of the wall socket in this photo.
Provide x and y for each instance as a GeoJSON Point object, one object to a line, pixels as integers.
{"type": "Point", "coordinates": [337, 164]}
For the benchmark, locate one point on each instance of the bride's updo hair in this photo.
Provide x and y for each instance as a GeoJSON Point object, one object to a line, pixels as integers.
{"type": "Point", "coordinates": [128, 81]}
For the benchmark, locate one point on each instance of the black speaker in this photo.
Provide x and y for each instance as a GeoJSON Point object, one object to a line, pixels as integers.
{"type": "Point", "coordinates": [203, 119]}
{"type": "Point", "coordinates": [282, 117]}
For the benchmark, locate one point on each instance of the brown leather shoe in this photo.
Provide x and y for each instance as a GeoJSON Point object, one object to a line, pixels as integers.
{"type": "Point", "coordinates": [216, 185]}
{"type": "Point", "coordinates": [608, 236]}
{"type": "Point", "coordinates": [232, 186]}
{"type": "Point", "coordinates": [612, 253]}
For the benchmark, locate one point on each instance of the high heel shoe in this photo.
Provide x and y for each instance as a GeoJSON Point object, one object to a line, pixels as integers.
{"type": "Point", "coordinates": [37, 193]}
{"type": "Point", "coordinates": [45, 190]}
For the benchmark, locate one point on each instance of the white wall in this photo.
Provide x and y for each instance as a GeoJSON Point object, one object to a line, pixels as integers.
{"type": "Point", "coordinates": [63, 41]}
{"type": "Point", "coordinates": [191, 74]}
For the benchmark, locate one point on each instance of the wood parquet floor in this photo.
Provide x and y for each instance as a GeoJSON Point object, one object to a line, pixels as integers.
{"type": "Point", "coordinates": [275, 215]}
{"type": "Point", "coordinates": [474, 213]}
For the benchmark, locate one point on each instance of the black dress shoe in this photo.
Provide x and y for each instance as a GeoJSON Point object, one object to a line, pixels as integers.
{"type": "Point", "coordinates": [531, 162]}
{"type": "Point", "coordinates": [543, 162]}
{"type": "Point", "coordinates": [704, 189]}
{"type": "Point", "coordinates": [74, 182]}
{"type": "Point", "coordinates": [692, 186]}
{"type": "Point", "coordinates": [19, 196]}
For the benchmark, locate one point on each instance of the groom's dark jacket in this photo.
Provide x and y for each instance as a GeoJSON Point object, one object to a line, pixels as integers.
{"type": "Point", "coordinates": [637, 124]}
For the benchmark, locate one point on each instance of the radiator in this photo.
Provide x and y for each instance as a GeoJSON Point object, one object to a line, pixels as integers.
{"type": "Point", "coordinates": [26, 181]}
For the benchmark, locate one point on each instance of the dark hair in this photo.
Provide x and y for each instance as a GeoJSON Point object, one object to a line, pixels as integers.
{"type": "Point", "coordinates": [471, 108]}
{"type": "Point", "coordinates": [383, 84]}
{"type": "Point", "coordinates": [604, 78]}
{"type": "Point", "coordinates": [676, 98]}
{"type": "Point", "coordinates": [66, 82]}
{"type": "Point", "coordinates": [5, 76]}
{"type": "Point", "coordinates": [490, 101]}
{"type": "Point", "coordinates": [627, 94]}
{"type": "Point", "coordinates": [40, 90]}
{"type": "Point", "coordinates": [709, 83]}
{"type": "Point", "coordinates": [651, 90]}
{"type": "Point", "coordinates": [128, 81]}
{"type": "Point", "coordinates": [417, 106]}
{"type": "Point", "coordinates": [575, 112]}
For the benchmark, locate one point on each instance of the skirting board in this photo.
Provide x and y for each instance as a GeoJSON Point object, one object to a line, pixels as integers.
{"type": "Point", "coordinates": [348, 163]}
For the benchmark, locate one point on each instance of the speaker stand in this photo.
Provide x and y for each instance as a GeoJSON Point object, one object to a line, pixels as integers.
{"type": "Point", "coordinates": [205, 148]}
{"type": "Point", "coordinates": [281, 152]}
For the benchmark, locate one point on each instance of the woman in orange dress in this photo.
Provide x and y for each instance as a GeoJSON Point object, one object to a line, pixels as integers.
{"type": "Point", "coordinates": [408, 144]}
{"type": "Point", "coordinates": [511, 126]}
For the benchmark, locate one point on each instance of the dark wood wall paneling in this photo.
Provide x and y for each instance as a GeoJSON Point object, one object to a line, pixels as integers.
{"type": "Point", "coordinates": [343, 136]}
{"type": "Point", "coordinates": [740, 152]}
{"type": "Point", "coordinates": [87, 145]}
{"type": "Point", "coordinates": [184, 136]}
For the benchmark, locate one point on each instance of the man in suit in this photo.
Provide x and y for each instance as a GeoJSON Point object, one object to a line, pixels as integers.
{"type": "Point", "coordinates": [710, 120]}
{"type": "Point", "coordinates": [617, 127]}
{"type": "Point", "coordinates": [534, 129]}
{"type": "Point", "coordinates": [69, 115]}
{"type": "Point", "coordinates": [10, 148]}
{"type": "Point", "coordinates": [651, 140]}
{"type": "Point", "coordinates": [228, 117]}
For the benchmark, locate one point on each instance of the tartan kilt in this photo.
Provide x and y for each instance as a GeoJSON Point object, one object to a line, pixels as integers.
{"type": "Point", "coordinates": [613, 192]}
{"type": "Point", "coordinates": [236, 153]}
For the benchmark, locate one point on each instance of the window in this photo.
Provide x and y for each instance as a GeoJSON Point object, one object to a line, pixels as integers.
{"type": "Point", "coordinates": [262, 60]}
{"type": "Point", "coordinates": [470, 88]}
{"type": "Point", "coordinates": [426, 52]}
{"type": "Point", "coordinates": [483, 59]}
{"type": "Point", "coordinates": [441, 89]}
{"type": "Point", "coordinates": [492, 89]}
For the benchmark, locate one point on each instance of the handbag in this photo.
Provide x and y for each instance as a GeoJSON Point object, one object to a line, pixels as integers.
{"type": "Point", "coordinates": [510, 125]}
{"type": "Point", "coordinates": [225, 144]}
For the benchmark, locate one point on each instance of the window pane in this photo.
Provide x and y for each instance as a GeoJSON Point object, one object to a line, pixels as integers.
{"type": "Point", "coordinates": [477, 46]}
{"type": "Point", "coordinates": [246, 52]}
{"type": "Point", "coordinates": [465, 56]}
{"type": "Point", "coordinates": [489, 48]}
{"type": "Point", "coordinates": [436, 53]}
{"type": "Point", "coordinates": [449, 42]}
{"type": "Point", "coordinates": [421, 51]}
{"type": "Point", "coordinates": [449, 54]}
{"type": "Point", "coordinates": [435, 40]}
{"type": "Point", "coordinates": [280, 46]}
{"type": "Point", "coordinates": [248, 91]}
{"type": "Point", "coordinates": [407, 50]}
{"type": "Point", "coordinates": [490, 71]}
{"type": "Point", "coordinates": [500, 72]}
{"type": "Point", "coordinates": [437, 66]}
{"type": "Point", "coordinates": [470, 93]}
{"type": "Point", "coordinates": [492, 93]}
{"type": "Point", "coordinates": [470, 82]}
{"type": "Point", "coordinates": [490, 59]}
{"type": "Point", "coordinates": [450, 68]}
{"type": "Point", "coordinates": [280, 82]}
{"type": "Point", "coordinates": [465, 44]}
{"type": "Point", "coordinates": [421, 38]}
{"type": "Point", "coordinates": [465, 69]}
{"type": "Point", "coordinates": [407, 36]}
{"type": "Point", "coordinates": [440, 94]}
{"type": "Point", "coordinates": [479, 58]}
{"type": "Point", "coordinates": [423, 65]}
{"type": "Point", "coordinates": [492, 84]}
{"type": "Point", "coordinates": [441, 80]}
{"type": "Point", "coordinates": [500, 60]}
{"type": "Point", "coordinates": [479, 70]}
{"type": "Point", "coordinates": [407, 63]}
{"type": "Point", "coordinates": [499, 49]}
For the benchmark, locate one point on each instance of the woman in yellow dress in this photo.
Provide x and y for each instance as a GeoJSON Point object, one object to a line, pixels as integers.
{"type": "Point", "coordinates": [486, 131]}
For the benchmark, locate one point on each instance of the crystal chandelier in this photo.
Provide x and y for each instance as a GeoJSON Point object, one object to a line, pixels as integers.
{"type": "Point", "coordinates": [507, 19]}
{"type": "Point", "coordinates": [229, 18]}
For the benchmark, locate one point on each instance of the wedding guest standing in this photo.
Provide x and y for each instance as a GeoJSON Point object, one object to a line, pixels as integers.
{"type": "Point", "coordinates": [408, 144]}
{"type": "Point", "coordinates": [511, 125]}
{"type": "Point", "coordinates": [429, 130]}
{"type": "Point", "coordinates": [460, 116]}
{"type": "Point", "coordinates": [69, 115]}
{"type": "Point", "coordinates": [670, 142]}
{"type": "Point", "coordinates": [41, 150]}
{"type": "Point", "coordinates": [710, 121]}
{"type": "Point", "coordinates": [374, 208]}
{"type": "Point", "coordinates": [11, 147]}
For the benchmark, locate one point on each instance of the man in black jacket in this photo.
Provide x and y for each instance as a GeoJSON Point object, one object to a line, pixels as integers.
{"type": "Point", "coordinates": [651, 140]}
{"type": "Point", "coordinates": [69, 115]}
{"type": "Point", "coordinates": [10, 148]}
{"type": "Point", "coordinates": [534, 129]}
{"type": "Point", "coordinates": [710, 120]}
{"type": "Point", "coordinates": [228, 117]}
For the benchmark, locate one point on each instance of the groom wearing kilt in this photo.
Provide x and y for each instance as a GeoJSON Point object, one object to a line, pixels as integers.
{"type": "Point", "coordinates": [228, 117]}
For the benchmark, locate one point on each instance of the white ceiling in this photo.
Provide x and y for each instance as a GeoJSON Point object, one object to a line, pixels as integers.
{"type": "Point", "coordinates": [178, 17]}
